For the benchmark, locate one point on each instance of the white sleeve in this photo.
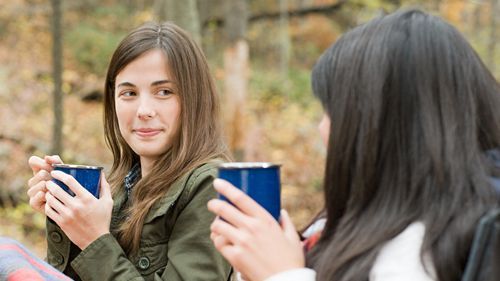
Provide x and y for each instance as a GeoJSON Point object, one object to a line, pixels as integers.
{"type": "Point", "coordinates": [299, 274]}
{"type": "Point", "coordinates": [399, 259]}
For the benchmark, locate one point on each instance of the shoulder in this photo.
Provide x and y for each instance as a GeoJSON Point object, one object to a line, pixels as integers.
{"type": "Point", "coordinates": [198, 181]}
{"type": "Point", "coordinates": [196, 175]}
{"type": "Point", "coordinates": [400, 258]}
{"type": "Point", "coordinates": [202, 173]}
{"type": "Point", "coordinates": [194, 188]}
{"type": "Point", "coordinates": [206, 170]}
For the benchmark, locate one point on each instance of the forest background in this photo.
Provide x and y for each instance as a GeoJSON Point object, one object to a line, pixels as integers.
{"type": "Point", "coordinates": [54, 54]}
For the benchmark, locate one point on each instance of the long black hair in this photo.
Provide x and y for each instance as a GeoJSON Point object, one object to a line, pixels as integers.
{"type": "Point", "coordinates": [413, 110]}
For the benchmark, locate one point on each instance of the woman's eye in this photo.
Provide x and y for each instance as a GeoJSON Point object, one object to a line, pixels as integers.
{"type": "Point", "coordinates": [127, 94]}
{"type": "Point", "coordinates": [164, 92]}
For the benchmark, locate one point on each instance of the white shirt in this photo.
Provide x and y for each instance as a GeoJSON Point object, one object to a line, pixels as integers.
{"type": "Point", "coordinates": [399, 259]}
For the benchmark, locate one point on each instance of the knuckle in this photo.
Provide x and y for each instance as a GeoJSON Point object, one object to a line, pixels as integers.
{"type": "Point", "coordinates": [215, 226]}
{"type": "Point", "coordinates": [253, 226]}
{"type": "Point", "coordinates": [218, 242]}
{"type": "Point", "coordinates": [70, 216]}
{"type": "Point", "coordinates": [238, 254]}
{"type": "Point", "coordinates": [38, 186]}
{"type": "Point", "coordinates": [238, 198]}
{"type": "Point", "coordinates": [218, 245]}
{"type": "Point", "coordinates": [268, 222]}
{"type": "Point", "coordinates": [42, 174]}
{"type": "Point", "coordinates": [77, 210]}
{"type": "Point", "coordinates": [63, 221]}
{"type": "Point", "coordinates": [34, 180]}
{"type": "Point", "coordinates": [39, 195]}
{"type": "Point", "coordinates": [244, 240]}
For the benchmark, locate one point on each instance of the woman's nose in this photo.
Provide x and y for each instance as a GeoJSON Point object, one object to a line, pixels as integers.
{"type": "Point", "coordinates": [146, 109]}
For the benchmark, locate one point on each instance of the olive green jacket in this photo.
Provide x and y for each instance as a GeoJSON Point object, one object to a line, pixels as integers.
{"type": "Point", "coordinates": [175, 242]}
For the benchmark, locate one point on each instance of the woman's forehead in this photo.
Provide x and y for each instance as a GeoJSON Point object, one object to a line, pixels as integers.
{"type": "Point", "coordinates": [152, 66]}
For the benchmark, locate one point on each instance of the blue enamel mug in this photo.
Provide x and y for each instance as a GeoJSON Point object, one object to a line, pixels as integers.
{"type": "Point", "coordinates": [259, 180]}
{"type": "Point", "coordinates": [88, 176]}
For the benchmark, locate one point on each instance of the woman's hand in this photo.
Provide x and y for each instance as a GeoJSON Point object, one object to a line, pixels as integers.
{"type": "Point", "coordinates": [249, 237]}
{"type": "Point", "coordinates": [83, 218]}
{"type": "Point", "coordinates": [41, 174]}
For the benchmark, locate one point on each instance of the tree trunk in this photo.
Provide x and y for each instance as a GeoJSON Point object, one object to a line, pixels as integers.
{"type": "Point", "coordinates": [305, 3]}
{"type": "Point", "coordinates": [285, 45]}
{"type": "Point", "coordinates": [493, 34]}
{"type": "Point", "coordinates": [57, 54]}
{"type": "Point", "coordinates": [183, 13]}
{"type": "Point", "coordinates": [476, 17]}
{"type": "Point", "coordinates": [236, 74]}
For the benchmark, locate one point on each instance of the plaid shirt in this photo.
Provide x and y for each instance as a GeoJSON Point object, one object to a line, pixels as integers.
{"type": "Point", "coordinates": [131, 179]}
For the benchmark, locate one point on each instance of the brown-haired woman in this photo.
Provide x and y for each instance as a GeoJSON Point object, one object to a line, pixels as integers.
{"type": "Point", "coordinates": [161, 123]}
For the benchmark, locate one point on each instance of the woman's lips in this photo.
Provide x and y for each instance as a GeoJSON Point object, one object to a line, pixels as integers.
{"type": "Point", "coordinates": [147, 132]}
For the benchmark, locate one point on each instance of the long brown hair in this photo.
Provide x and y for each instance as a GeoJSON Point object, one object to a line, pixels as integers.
{"type": "Point", "coordinates": [413, 111]}
{"type": "Point", "coordinates": [199, 139]}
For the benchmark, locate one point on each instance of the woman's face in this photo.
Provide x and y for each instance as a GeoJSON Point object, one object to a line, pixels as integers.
{"type": "Point", "coordinates": [324, 129]}
{"type": "Point", "coordinates": [147, 105]}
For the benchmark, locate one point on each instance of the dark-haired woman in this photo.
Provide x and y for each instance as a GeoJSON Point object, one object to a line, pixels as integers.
{"type": "Point", "coordinates": [410, 114]}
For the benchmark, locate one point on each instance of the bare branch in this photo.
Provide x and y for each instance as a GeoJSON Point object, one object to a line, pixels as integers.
{"type": "Point", "coordinates": [326, 9]}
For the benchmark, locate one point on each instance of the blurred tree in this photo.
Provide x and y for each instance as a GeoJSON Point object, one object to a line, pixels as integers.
{"type": "Point", "coordinates": [183, 13]}
{"type": "Point", "coordinates": [209, 10]}
{"type": "Point", "coordinates": [305, 3]}
{"type": "Point", "coordinates": [476, 16]}
{"type": "Point", "coordinates": [236, 73]}
{"type": "Point", "coordinates": [57, 54]}
{"type": "Point", "coordinates": [494, 10]}
{"type": "Point", "coordinates": [285, 44]}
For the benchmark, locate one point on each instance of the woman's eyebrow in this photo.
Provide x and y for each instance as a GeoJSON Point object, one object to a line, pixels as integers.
{"type": "Point", "coordinates": [161, 82]}
{"type": "Point", "coordinates": [125, 84]}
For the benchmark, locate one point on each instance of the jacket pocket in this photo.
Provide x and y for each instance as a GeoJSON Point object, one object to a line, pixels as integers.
{"type": "Point", "coordinates": [153, 253]}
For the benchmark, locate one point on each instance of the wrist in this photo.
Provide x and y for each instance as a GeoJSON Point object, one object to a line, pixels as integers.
{"type": "Point", "coordinates": [84, 244]}
{"type": "Point", "coordinates": [294, 274]}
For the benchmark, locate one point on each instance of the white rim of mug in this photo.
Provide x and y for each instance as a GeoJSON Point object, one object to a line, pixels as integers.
{"type": "Point", "coordinates": [248, 165]}
{"type": "Point", "coordinates": [72, 166]}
